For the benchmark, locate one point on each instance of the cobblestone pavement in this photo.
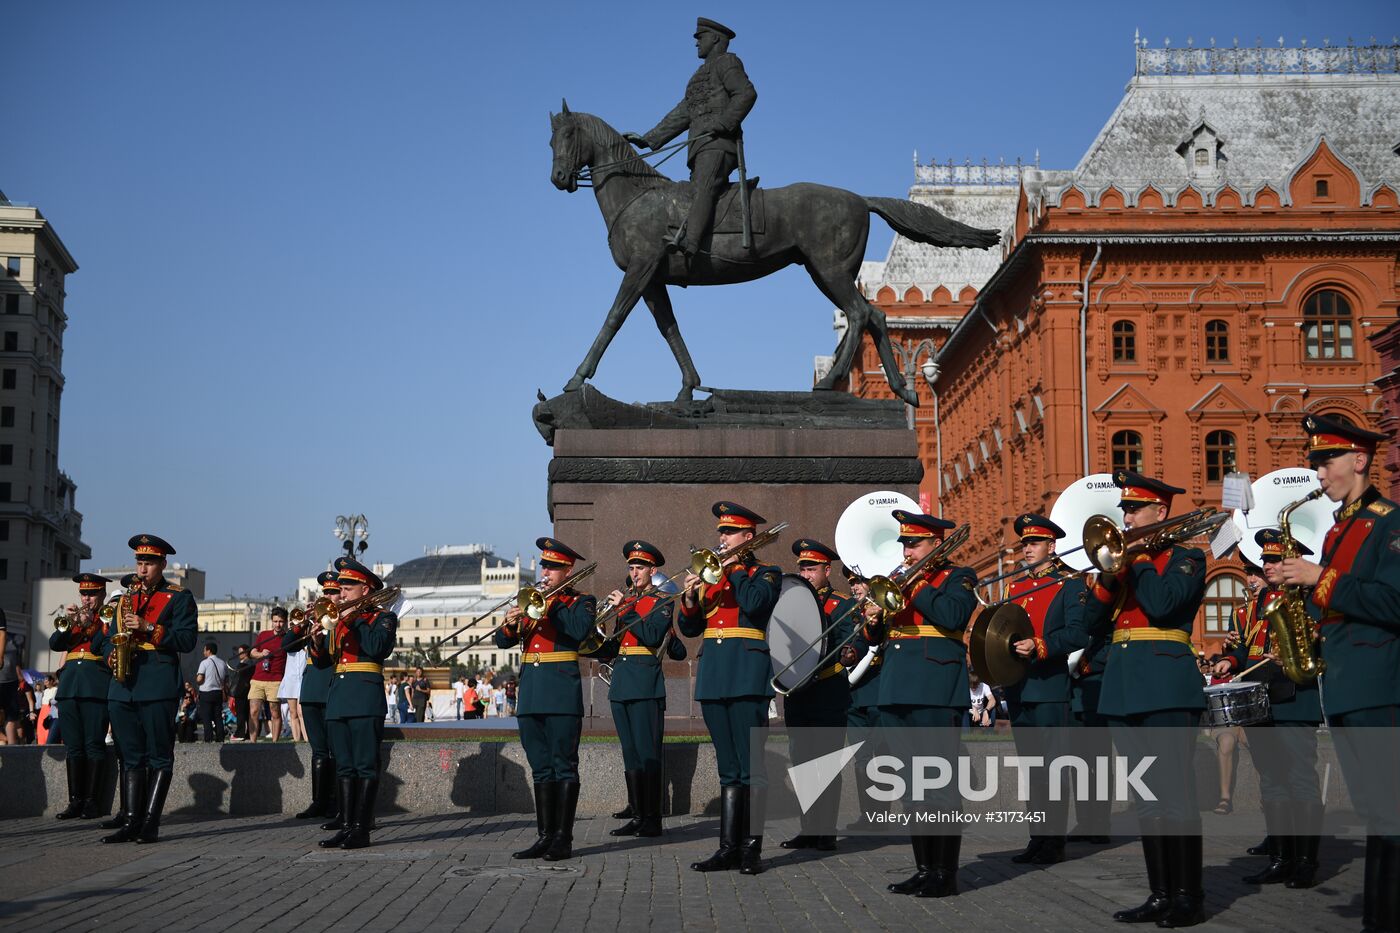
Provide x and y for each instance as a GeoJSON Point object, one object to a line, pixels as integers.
{"type": "Point", "coordinates": [453, 872]}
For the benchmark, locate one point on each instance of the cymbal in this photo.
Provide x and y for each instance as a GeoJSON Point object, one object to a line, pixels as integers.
{"type": "Point", "coordinates": [994, 633]}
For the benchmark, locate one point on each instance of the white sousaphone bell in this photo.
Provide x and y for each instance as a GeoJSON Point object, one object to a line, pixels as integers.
{"type": "Point", "coordinates": [867, 540]}
{"type": "Point", "coordinates": [1270, 493]}
{"type": "Point", "coordinates": [1095, 494]}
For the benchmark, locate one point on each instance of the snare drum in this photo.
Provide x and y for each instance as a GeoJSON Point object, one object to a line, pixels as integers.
{"type": "Point", "coordinates": [1243, 704]}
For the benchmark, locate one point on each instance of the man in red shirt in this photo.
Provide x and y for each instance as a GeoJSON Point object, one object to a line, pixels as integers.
{"type": "Point", "coordinates": [271, 664]}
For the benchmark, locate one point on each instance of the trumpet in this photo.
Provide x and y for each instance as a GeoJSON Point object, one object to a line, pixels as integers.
{"type": "Point", "coordinates": [1109, 546]}
{"type": "Point", "coordinates": [886, 592]}
{"type": "Point", "coordinates": [532, 603]}
{"type": "Point", "coordinates": [70, 619]}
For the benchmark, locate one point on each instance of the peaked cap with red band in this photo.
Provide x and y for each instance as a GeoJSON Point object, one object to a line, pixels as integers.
{"type": "Point", "coordinates": [1144, 490]}
{"type": "Point", "coordinates": [1328, 437]}
{"type": "Point", "coordinates": [1032, 527]}
{"type": "Point", "coordinates": [915, 526]}
{"type": "Point", "coordinates": [329, 581]}
{"type": "Point", "coordinates": [1270, 541]}
{"type": "Point", "coordinates": [733, 515]}
{"type": "Point", "coordinates": [352, 571]}
{"type": "Point", "coordinates": [638, 551]}
{"type": "Point", "coordinates": [556, 553]}
{"type": "Point", "coordinates": [813, 552]}
{"type": "Point", "coordinates": [91, 582]}
{"type": "Point", "coordinates": [150, 546]}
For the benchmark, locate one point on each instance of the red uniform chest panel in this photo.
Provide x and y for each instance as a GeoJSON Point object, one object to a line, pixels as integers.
{"type": "Point", "coordinates": [909, 615]}
{"type": "Point", "coordinates": [724, 607]}
{"type": "Point", "coordinates": [642, 607]}
{"type": "Point", "coordinates": [347, 641]}
{"type": "Point", "coordinates": [545, 634]}
{"type": "Point", "coordinates": [1344, 541]}
{"type": "Point", "coordinates": [1254, 628]}
{"type": "Point", "coordinates": [1036, 604]}
{"type": "Point", "coordinates": [1133, 615]}
{"type": "Point", "coordinates": [830, 605]}
{"type": "Point", "coordinates": [148, 608]}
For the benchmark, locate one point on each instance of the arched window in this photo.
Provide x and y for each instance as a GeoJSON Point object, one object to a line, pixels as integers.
{"type": "Point", "coordinates": [1124, 342]}
{"type": "Point", "coordinates": [1127, 451]}
{"type": "Point", "coordinates": [1217, 342]}
{"type": "Point", "coordinates": [1223, 594]}
{"type": "Point", "coordinates": [1220, 455]}
{"type": "Point", "coordinates": [1327, 326]}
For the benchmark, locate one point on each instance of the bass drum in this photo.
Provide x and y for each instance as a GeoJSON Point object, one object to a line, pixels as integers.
{"type": "Point", "coordinates": [795, 624]}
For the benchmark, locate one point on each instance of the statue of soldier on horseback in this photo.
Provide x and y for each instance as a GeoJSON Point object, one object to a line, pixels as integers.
{"type": "Point", "coordinates": [663, 233]}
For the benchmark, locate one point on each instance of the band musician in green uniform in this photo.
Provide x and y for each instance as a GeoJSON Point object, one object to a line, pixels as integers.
{"type": "Point", "coordinates": [1152, 696]}
{"type": "Point", "coordinates": [83, 684]}
{"type": "Point", "coordinates": [358, 644]}
{"type": "Point", "coordinates": [549, 704]}
{"type": "Point", "coordinates": [1356, 593]}
{"type": "Point", "coordinates": [637, 690]}
{"type": "Point", "coordinates": [815, 713]}
{"type": "Point", "coordinates": [161, 621]}
{"type": "Point", "coordinates": [733, 684]}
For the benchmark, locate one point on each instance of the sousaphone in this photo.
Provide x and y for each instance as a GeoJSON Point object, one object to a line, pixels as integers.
{"type": "Point", "coordinates": [1272, 492]}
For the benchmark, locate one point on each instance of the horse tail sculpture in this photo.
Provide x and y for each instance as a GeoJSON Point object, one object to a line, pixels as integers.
{"type": "Point", "coordinates": [925, 225]}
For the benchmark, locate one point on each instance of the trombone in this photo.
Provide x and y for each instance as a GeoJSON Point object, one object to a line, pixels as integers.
{"type": "Point", "coordinates": [1109, 546]}
{"type": "Point", "coordinates": [325, 614]}
{"type": "Point", "coordinates": [886, 592]}
{"type": "Point", "coordinates": [532, 603]}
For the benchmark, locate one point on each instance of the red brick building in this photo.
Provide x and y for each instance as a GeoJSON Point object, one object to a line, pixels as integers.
{"type": "Point", "coordinates": [1213, 268]}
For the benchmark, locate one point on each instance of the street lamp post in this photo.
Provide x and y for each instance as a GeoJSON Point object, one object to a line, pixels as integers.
{"type": "Point", "coordinates": [911, 353]}
{"type": "Point", "coordinates": [353, 532]}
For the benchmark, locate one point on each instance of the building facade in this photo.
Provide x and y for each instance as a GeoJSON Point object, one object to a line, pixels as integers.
{"type": "Point", "coordinates": [40, 526]}
{"type": "Point", "coordinates": [1211, 270]}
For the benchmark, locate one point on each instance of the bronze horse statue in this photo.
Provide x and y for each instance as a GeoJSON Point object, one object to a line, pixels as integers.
{"type": "Point", "coordinates": [823, 229]}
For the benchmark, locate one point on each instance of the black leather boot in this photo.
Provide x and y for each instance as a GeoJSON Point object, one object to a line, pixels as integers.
{"type": "Point", "coordinates": [335, 803]}
{"type": "Point", "coordinates": [1029, 852]}
{"type": "Point", "coordinates": [751, 833]}
{"type": "Point", "coordinates": [1280, 868]}
{"type": "Point", "coordinates": [92, 787]}
{"type": "Point", "coordinates": [348, 804]}
{"type": "Point", "coordinates": [942, 880]}
{"type": "Point", "coordinates": [545, 793]}
{"type": "Point", "coordinates": [1388, 892]}
{"type": "Point", "coordinates": [731, 814]}
{"type": "Point", "coordinates": [77, 782]}
{"type": "Point", "coordinates": [1154, 854]}
{"type": "Point", "coordinates": [1305, 846]}
{"type": "Point", "coordinates": [924, 852]}
{"type": "Point", "coordinates": [566, 807]}
{"type": "Point", "coordinates": [1188, 899]}
{"type": "Point", "coordinates": [651, 788]}
{"type": "Point", "coordinates": [634, 803]}
{"type": "Point", "coordinates": [1371, 885]}
{"type": "Point", "coordinates": [318, 804]}
{"type": "Point", "coordinates": [1052, 851]}
{"type": "Point", "coordinates": [134, 779]}
{"type": "Point", "coordinates": [159, 786]}
{"type": "Point", "coordinates": [123, 813]}
{"type": "Point", "coordinates": [366, 790]}
{"type": "Point", "coordinates": [1266, 847]}
{"type": "Point", "coordinates": [632, 810]}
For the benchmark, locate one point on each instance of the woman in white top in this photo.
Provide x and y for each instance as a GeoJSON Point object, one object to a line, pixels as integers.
{"type": "Point", "coordinates": [290, 693]}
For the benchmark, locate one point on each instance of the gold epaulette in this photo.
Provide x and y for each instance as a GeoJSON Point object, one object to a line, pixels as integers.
{"type": "Point", "coordinates": [835, 594]}
{"type": "Point", "coordinates": [1381, 508]}
{"type": "Point", "coordinates": [174, 587]}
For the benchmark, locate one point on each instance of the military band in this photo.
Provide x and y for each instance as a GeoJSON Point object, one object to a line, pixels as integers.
{"type": "Point", "coordinates": [550, 702]}
{"type": "Point", "coordinates": [153, 625]}
{"type": "Point", "coordinates": [83, 684]}
{"type": "Point", "coordinates": [1108, 649]}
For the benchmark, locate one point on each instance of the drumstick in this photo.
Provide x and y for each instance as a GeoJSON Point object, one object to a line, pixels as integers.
{"type": "Point", "coordinates": [1249, 669]}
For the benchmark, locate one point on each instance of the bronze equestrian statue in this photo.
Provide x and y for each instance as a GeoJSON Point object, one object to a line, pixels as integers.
{"type": "Point", "coordinates": [821, 228]}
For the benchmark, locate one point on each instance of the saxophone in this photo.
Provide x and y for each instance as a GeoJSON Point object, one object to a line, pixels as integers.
{"type": "Point", "coordinates": [1290, 628]}
{"type": "Point", "coordinates": [123, 646]}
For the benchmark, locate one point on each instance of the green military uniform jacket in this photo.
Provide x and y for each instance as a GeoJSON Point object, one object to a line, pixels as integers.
{"type": "Point", "coordinates": [1288, 702]}
{"type": "Point", "coordinates": [1058, 616]}
{"type": "Point", "coordinates": [363, 638]}
{"type": "Point", "coordinates": [320, 669]}
{"type": "Point", "coordinates": [638, 676]}
{"type": "Point", "coordinates": [717, 98]}
{"type": "Point", "coordinates": [1359, 599]}
{"type": "Point", "coordinates": [865, 693]}
{"type": "Point", "coordinates": [828, 693]}
{"type": "Point", "coordinates": [1160, 592]}
{"type": "Point", "coordinates": [931, 670]}
{"type": "Point", "coordinates": [81, 678]}
{"type": "Point", "coordinates": [553, 687]}
{"type": "Point", "coordinates": [172, 620]}
{"type": "Point", "coordinates": [732, 667]}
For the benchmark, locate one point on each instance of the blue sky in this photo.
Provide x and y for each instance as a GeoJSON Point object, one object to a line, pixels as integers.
{"type": "Point", "coordinates": [323, 269]}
